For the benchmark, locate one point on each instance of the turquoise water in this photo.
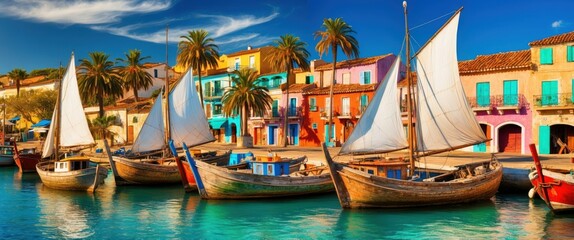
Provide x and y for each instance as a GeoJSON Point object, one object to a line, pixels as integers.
{"type": "Point", "coordinates": [30, 211]}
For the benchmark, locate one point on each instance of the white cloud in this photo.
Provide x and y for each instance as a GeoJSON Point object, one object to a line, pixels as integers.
{"type": "Point", "coordinates": [80, 11]}
{"type": "Point", "coordinates": [557, 24]}
{"type": "Point", "coordinates": [224, 25]}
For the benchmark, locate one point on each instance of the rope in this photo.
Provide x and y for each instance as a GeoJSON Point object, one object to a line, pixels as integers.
{"type": "Point", "coordinates": [415, 27]}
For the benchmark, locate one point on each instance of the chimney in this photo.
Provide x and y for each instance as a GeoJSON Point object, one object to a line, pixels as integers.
{"type": "Point", "coordinates": [248, 47]}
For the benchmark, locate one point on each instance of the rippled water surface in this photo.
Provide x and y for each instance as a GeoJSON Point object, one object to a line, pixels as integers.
{"type": "Point", "coordinates": [30, 211]}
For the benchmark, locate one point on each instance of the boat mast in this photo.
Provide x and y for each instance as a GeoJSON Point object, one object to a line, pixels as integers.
{"type": "Point", "coordinates": [409, 95]}
{"type": "Point", "coordinates": [57, 126]}
{"type": "Point", "coordinates": [166, 92]}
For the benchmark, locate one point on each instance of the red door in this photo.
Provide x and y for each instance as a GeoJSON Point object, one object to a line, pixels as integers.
{"type": "Point", "coordinates": [510, 139]}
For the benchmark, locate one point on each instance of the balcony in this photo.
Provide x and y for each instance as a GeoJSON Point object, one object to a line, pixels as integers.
{"type": "Point", "coordinates": [294, 112]}
{"type": "Point", "coordinates": [346, 112]}
{"type": "Point", "coordinates": [559, 101]}
{"type": "Point", "coordinates": [324, 112]}
{"type": "Point", "coordinates": [499, 103]}
{"type": "Point", "coordinates": [211, 94]}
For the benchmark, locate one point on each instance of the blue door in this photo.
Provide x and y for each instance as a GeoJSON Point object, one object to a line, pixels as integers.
{"type": "Point", "coordinates": [327, 139]}
{"type": "Point", "coordinates": [294, 134]}
{"type": "Point", "coordinates": [272, 131]}
{"type": "Point", "coordinates": [544, 139]}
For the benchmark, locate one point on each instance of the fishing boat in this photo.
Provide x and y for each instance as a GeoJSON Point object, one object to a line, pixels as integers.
{"type": "Point", "coordinates": [182, 121]}
{"type": "Point", "coordinates": [6, 155]}
{"type": "Point", "coordinates": [554, 186]}
{"type": "Point", "coordinates": [26, 159]}
{"type": "Point", "coordinates": [444, 122]}
{"type": "Point", "coordinates": [264, 180]}
{"type": "Point", "coordinates": [68, 133]}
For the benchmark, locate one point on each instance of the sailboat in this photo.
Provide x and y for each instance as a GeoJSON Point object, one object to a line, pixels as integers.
{"type": "Point", "coordinates": [444, 122]}
{"type": "Point", "coordinates": [186, 122]}
{"type": "Point", "coordinates": [68, 132]}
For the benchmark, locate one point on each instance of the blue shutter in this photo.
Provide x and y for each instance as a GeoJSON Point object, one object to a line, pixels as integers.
{"type": "Point", "coordinates": [367, 78]}
{"type": "Point", "coordinates": [510, 93]}
{"type": "Point", "coordinates": [549, 93]}
{"type": "Point", "coordinates": [274, 108]}
{"type": "Point", "coordinates": [311, 79]}
{"type": "Point", "coordinates": [544, 139]}
{"type": "Point", "coordinates": [546, 56]}
{"type": "Point", "coordinates": [570, 53]}
{"type": "Point", "coordinates": [483, 94]}
{"type": "Point", "coordinates": [362, 78]}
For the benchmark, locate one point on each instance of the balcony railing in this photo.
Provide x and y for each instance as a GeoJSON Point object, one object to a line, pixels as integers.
{"type": "Point", "coordinates": [554, 100]}
{"type": "Point", "coordinates": [507, 101]}
{"type": "Point", "coordinates": [212, 93]}
{"type": "Point", "coordinates": [294, 111]}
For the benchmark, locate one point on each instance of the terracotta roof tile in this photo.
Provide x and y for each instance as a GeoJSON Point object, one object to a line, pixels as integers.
{"type": "Point", "coordinates": [557, 39]}
{"type": "Point", "coordinates": [403, 82]}
{"type": "Point", "coordinates": [352, 62]}
{"type": "Point", "coordinates": [299, 87]}
{"type": "Point", "coordinates": [342, 88]}
{"type": "Point", "coordinates": [253, 50]}
{"type": "Point", "coordinates": [506, 61]}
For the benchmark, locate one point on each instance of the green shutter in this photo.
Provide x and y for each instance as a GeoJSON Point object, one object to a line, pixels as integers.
{"type": "Point", "coordinates": [312, 104]}
{"type": "Point", "coordinates": [275, 108]}
{"type": "Point", "coordinates": [367, 78]}
{"type": "Point", "coordinates": [510, 93]}
{"type": "Point", "coordinates": [570, 53]}
{"type": "Point", "coordinates": [544, 139]}
{"type": "Point", "coordinates": [549, 93]}
{"type": "Point", "coordinates": [483, 94]}
{"type": "Point", "coordinates": [546, 56]}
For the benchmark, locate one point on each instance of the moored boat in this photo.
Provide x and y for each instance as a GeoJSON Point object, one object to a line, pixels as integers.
{"type": "Point", "coordinates": [6, 155]}
{"type": "Point", "coordinates": [69, 131]}
{"type": "Point", "coordinates": [26, 159]}
{"type": "Point", "coordinates": [554, 186]}
{"type": "Point", "coordinates": [444, 122]}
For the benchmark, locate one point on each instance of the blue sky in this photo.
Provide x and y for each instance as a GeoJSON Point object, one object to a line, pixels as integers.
{"type": "Point", "coordinates": [38, 34]}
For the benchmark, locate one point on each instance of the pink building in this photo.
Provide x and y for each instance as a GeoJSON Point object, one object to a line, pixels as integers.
{"type": "Point", "coordinates": [497, 89]}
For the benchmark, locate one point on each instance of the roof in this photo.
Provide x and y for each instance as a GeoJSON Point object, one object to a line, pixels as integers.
{"type": "Point", "coordinates": [342, 88]}
{"type": "Point", "coordinates": [248, 51]}
{"type": "Point", "coordinates": [557, 39]}
{"type": "Point", "coordinates": [300, 87]}
{"type": "Point", "coordinates": [352, 62]}
{"type": "Point", "coordinates": [403, 82]}
{"type": "Point", "coordinates": [506, 61]}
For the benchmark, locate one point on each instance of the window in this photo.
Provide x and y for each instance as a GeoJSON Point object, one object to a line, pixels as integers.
{"type": "Point", "coordinates": [483, 94]}
{"type": "Point", "coordinates": [216, 109]}
{"type": "Point", "coordinates": [237, 64]}
{"type": "Point", "coordinates": [570, 53]}
{"type": "Point", "coordinates": [327, 106]}
{"type": "Point", "coordinates": [155, 73]}
{"type": "Point", "coordinates": [510, 93]}
{"type": "Point", "coordinates": [293, 107]}
{"type": "Point", "coordinates": [252, 61]}
{"type": "Point", "coordinates": [309, 79]}
{"type": "Point", "coordinates": [346, 78]}
{"type": "Point", "coordinates": [365, 77]}
{"type": "Point", "coordinates": [312, 104]}
{"type": "Point", "coordinates": [275, 109]}
{"type": "Point", "coordinates": [346, 111]}
{"type": "Point", "coordinates": [546, 56]}
{"type": "Point", "coordinates": [217, 91]}
{"type": "Point", "coordinates": [549, 93]}
{"type": "Point", "coordinates": [364, 103]}
{"type": "Point", "coordinates": [207, 89]}
{"type": "Point", "coordinates": [264, 82]}
{"type": "Point", "coordinates": [276, 82]}
{"type": "Point", "coordinates": [314, 126]}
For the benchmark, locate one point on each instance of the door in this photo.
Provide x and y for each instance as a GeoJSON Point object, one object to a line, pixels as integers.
{"type": "Point", "coordinates": [549, 93]}
{"type": "Point", "coordinates": [130, 134]}
{"type": "Point", "coordinates": [544, 139]}
{"type": "Point", "coordinates": [294, 134]}
{"type": "Point", "coordinates": [293, 107]}
{"type": "Point", "coordinates": [510, 139]}
{"type": "Point", "coordinates": [273, 135]}
{"type": "Point", "coordinates": [481, 147]}
{"type": "Point", "coordinates": [233, 133]}
{"type": "Point", "coordinates": [483, 94]}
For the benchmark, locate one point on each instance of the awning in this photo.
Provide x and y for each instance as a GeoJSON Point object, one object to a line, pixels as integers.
{"type": "Point", "coordinates": [42, 123]}
{"type": "Point", "coordinates": [14, 119]}
{"type": "Point", "coordinates": [217, 123]}
{"type": "Point", "coordinates": [8, 123]}
{"type": "Point", "coordinates": [41, 129]}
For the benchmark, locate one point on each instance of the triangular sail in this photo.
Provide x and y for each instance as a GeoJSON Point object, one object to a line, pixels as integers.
{"type": "Point", "coordinates": [187, 118]}
{"type": "Point", "coordinates": [444, 118]}
{"type": "Point", "coordinates": [380, 128]}
{"type": "Point", "coordinates": [74, 130]}
{"type": "Point", "coordinates": [152, 134]}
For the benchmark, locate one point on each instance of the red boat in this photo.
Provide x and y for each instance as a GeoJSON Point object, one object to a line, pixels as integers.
{"type": "Point", "coordinates": [556, 187]}
{"type": "Point", "coordinates": [26, 159]}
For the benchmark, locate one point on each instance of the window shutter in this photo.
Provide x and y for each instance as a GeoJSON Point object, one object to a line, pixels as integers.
{"type": "Point", "coordinates": [362, 78]}
{"type": "Point", "coordinates": [546, 56]}
{"type": "Point", "coordinates": [570, 53]}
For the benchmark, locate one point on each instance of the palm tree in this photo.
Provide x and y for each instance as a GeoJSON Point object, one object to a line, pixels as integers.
{"type": "Point", "coordinates": [101, 125]}
{"type": "Point", "coordinates": [99, 77]}
{"type": "Point", "coordinates": [288, 52]}
{"type": "Point", "coordinates": [133, 73]}
{"type": "Point", "coordinates": [246, 96]}
{"type": "Point", "coordinates": [18, 74]}
{"type": "Point", "coordinates": [337, 34]}
{"type": "Point", "coordinates": [198, 51]}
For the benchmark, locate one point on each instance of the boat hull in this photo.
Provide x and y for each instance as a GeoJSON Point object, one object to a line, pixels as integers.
{"type": "Point", "coordinates": [78, 180]}
{"type": "Point", "coordinates": [27, 162]}
{"type": "Point", "coordinates": [221, 183]}
{"type": "Point", "coordinates": [560, 189]}
{"type": "Point", "coordinates": [133, 172]}
{"type": "Point", "coordinates": [6, 160]}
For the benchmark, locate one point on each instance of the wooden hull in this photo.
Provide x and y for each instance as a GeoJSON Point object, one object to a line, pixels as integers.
{"type": "Point", "coordinates": [559, 186]}
{"type": "Point", "coordinates": [80, 180]}
{"type": "Point", "coordinates": [221, 183]}
{"type": "Point", "coordinates": [219, 160]}
{"type": "Point", "coordinates": [357, 189]}
{"type": "Point", "coordinates": [27, 162]}
{"type": "Point", "coordinates": [6, 160]}
{"type": "Point", "coordinates": [515, 180]}
{"type": "Point", "coordinates": [133, 172]}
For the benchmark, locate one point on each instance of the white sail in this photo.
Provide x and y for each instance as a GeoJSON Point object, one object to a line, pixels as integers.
{"type": "Point", "coordinates": [380, 128]}
{"type": "Point", "coordinates": [187, 118]}
{"type": "Point", "coordinates": [152, 134]}
{"type": "Point", "coordinates": [74, 130]}
{"type": "Point", "coordinates": [444, 118]}
{"type": "Point", "coordinates": [48, 147]}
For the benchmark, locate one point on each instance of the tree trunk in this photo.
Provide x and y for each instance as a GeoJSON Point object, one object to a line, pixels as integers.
{"type": "Point", "coordinates": [101, 102]}
{"type": "Point", "coordinates": [200, 87]}
{"type": "Point", "coordinates": [244, 130]}
{"type": "Point", "coordinates": [286, 115]}
{"type": "Point", "coordinates": [136, 90]}
{"type": "Point", "coordinates": [330, 132]}
{"type": "Point", "coordinates": [17, 87]}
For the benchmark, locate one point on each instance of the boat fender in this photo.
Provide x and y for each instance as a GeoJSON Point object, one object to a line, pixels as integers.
{"type": "Point", "coordinates": [531, 193]}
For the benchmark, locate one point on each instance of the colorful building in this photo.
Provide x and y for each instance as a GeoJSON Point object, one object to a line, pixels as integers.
{"type": "Point", "coordinates": [552, 84]}
{"type": "Point", "coordinates": [497, 88]}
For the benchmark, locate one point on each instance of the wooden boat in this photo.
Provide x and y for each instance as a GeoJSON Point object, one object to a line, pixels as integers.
{"type": "Point", "coordinates": [215, 182]}
{"type": "Point", "coordinates": [185, 123]}
{"type": "Point", "coordinates": [6, 155]}
{"type": "Point", "coordinates": [444, 122]}
{"type": "Point", "coordinates": [69, 130]}
{"type": "Point", "coordinates": [26, 159]}
{"type": "Point", "coordinates": [554, 186]}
